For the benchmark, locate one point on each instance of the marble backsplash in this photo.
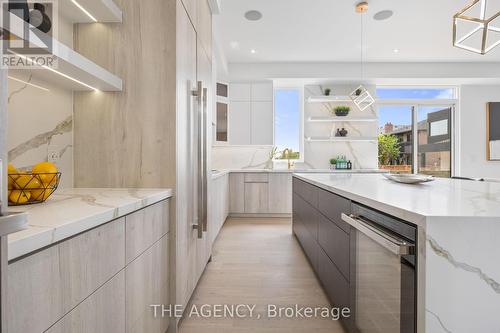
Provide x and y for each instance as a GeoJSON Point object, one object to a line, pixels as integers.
{"type": "Point", "coordinates": [40, 122]}
{"type": "Point", "coordinates": [240, 157]}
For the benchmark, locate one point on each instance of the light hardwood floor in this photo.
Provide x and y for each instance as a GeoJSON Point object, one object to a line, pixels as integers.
{"type": "Point", "coordinates": [258, 261]}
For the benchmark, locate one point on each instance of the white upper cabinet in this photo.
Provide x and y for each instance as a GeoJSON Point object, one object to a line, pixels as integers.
{"type": "Point", "coordinates": [240, 92]}
{"type": "Point", "coordinates": [262, 92]}
{"type": "Point", "coordinates": [251, 116]}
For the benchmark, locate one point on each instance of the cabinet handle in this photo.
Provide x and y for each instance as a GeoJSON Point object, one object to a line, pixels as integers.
{"type": "Point", "coordinates": [198, 115]}
{"type": "Point", "coordinates": [394, 245]}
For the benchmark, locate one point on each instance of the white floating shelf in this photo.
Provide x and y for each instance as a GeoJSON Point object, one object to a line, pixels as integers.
{"type": "Point", "coordinates": [105, 11]}
{"type": "Point", "coordinates": [340, 119]}
{"type": "Point", "coordinates": [74, 71]}
{"type": "Point", "coordinates": [340, 139]}
{"type": "Point", "coordinates": [329, 99]}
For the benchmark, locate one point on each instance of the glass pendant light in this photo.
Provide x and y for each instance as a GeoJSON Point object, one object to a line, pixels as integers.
{"type": "Point", "coordinates": [361, 97]}
{"type": "Point", "coordinates": [475, 30]}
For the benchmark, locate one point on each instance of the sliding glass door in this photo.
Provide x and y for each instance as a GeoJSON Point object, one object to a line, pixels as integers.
{"type": "Point", "coordinates": [416, 139]}
{"type": "Point", "coordinates": [434, 140]}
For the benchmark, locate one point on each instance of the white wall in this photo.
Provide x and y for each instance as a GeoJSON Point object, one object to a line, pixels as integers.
{"type": "Point", "coordinates": [472, 146]}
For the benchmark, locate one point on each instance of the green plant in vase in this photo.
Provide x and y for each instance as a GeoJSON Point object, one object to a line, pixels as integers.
{"type": "Point", "coordinates": [333, 163]}
{"type": "Point", "coordinates": [327, 91]}
{"type": "Point", "coordinates": [342, 110]}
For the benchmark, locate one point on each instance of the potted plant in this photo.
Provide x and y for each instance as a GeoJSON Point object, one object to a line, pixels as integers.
{"type": "Point", "coordinates": [327, 91]}
{"type": "Point", "coordinates": [342, 110]}
{"type": "Point", "coordinates": [358, 92]}
{"type": "Point", "coordinates": [333, 163]}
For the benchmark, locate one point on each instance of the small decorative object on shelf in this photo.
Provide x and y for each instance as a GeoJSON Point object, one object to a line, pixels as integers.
{"type": "Point", "coordinates": [342, 110]}
{"type": "Point", "coordinates": [327, 91]}
{"type": "Point", "coordinates": [362, 98]}
{"type": "Point", "coordinates": [32, 187]}
{"type": "Point", "coordinates": [341, 163]}
{"type": "Point", "coordinates": [341, 132]}
{"type": "Point", "coordinates": [333, 163]}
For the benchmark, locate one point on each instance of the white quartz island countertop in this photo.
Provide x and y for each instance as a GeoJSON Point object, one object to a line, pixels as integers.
{"type": "Point", "coordinates": [441, 198]}
{"type": "Point", "coordinates": [458, 244]}
{"type": "Point", "coordinates": [71, 211]}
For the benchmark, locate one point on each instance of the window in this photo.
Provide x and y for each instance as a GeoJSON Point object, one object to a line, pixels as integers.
{"type": "Point", "coordinates": [416, 130]}
{"type": "Point", "coordinates": [287, 123]}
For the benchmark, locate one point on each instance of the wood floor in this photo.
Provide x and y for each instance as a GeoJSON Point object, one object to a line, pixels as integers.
{"type": "Point", "coordinates": [258, 262]}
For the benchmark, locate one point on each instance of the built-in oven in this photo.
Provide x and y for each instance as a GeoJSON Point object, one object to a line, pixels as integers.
{"type": "Point", "coordinates": [383, 272]}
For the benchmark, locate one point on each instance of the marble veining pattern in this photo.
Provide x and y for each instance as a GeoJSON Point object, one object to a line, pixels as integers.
{"type": "Point", "coordinates": [462, 265]}
{"type": "Point", "coordinates": [71, 211]}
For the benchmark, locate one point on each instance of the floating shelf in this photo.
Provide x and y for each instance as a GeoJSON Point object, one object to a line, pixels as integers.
{"type": "Point", "coordinates": [74, 71]}
{"type": "Point", "coordinates": [329, 99]}
{"type": "Point", "coordinates": [340, 119]}
{"type": "Point", "coordinates": [340, 139]}
{"type": "Point", "coordinates": [105, 11]}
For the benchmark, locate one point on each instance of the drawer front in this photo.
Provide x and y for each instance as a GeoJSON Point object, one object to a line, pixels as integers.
{"type": "Point", "coordinates": [336, 286]}
{"type": "Point", "coordinates": [256, 198]}
{"type": "Point", "coordinates": [335, 243]}
{"type": "Point", "coordinates": [101, 312]}
{"type": "Point", "coordinates": [145, 227]}
{"type": "Point", "coordinates": [262, 177]}
{"type": "Point", "coordinates": [332, 206]}
{"type": "Point", "coordinates": [310, 217]}
{"type": "Point", "coordinates": [308, 192]}
{"type": "Point", "coordinates": [46, 285]}
{"type": "Point", "coordinates": [236, 193]}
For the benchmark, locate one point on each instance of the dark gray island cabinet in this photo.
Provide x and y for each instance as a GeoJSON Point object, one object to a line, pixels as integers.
{"type": "Point", "coordinates": [364, 259]}
{"type": "Point", "coordinates": [324, 237]}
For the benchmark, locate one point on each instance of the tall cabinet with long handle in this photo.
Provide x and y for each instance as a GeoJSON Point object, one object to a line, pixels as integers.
{"type": "Point", "coordinates": [149, 135]}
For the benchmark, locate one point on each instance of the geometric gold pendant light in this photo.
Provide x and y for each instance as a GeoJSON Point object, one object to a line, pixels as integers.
{"type": "Point", "coordinates": [476, 30]}
{"type": "Point", "coordinates": [361, 97]}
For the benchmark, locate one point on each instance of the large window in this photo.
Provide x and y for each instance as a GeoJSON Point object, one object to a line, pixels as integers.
{"type": "Point", "coordinates": [415, 130]}
{"type": "Point", "coordinates": [287, 123]}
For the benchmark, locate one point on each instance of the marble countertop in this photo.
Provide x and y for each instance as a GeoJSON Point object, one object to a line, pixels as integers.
{"type": "Point", "coordinates": [442, 198]}
{"type": "Point", "coordinates": [220, 173]}
{"type": "Point", "coordinates": [71, 211]}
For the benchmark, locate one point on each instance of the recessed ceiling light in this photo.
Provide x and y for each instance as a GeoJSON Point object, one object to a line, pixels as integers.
{"type": "Point", "coordinates": [395, 50]}
{"type": "Point", "coordinates": [252, 51]}
{"type": "Point", "coordinates": [253, 15]}
{"type": "Point", "coordinates": [383, 15]}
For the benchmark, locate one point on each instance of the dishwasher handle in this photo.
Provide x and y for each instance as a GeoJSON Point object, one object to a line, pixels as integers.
{"type": "Point", "coordinates": [395, 245]}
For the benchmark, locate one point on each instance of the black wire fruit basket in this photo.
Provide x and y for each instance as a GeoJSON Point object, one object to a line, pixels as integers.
{"type": "Point", "coordinates": [31, 188]}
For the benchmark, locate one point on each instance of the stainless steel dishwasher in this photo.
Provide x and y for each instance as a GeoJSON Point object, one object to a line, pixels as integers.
{"type": "Point", "coordinates": [383, 272]}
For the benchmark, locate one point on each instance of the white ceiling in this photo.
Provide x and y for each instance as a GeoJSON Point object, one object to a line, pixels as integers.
{"type": "Point", "coordinates": [329, 30]}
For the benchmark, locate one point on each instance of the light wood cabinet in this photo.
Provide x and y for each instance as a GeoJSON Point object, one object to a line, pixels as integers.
{"type": "Point", "coordinates": [280, 193]}
{"type": "Point", "coordinates": [146, 284]}
{"type": "Point", "coordinates": [204, 26]}
{"type": "Point", "coordinates": [237, 192]}
{"type": "Point", "coordinates": [101, 312]}
{"type": "Point", "coordinates": [260, 193]}
{"type": "Point", "coordinates": [46, 285]}
{"type": "Point", "coordinates": [219, 206]}
{"type": "Point", "coordinates": [256, 198]}
{"type": "Point", "coordinates": [78, 285]}
{"type": "Point", "coordinates": [145, 227]}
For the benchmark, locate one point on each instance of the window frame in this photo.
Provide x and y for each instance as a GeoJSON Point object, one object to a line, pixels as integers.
{"type": "Point", "coordinates": [300, 90]}
{"type": "Point", "coordinates": [416, 104]}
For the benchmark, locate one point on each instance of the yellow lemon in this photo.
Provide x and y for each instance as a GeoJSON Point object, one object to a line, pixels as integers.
{"type": "Point", "coordinates": [19, 197]}
{"type": "Point", "coordinates": [28, 182]}
{"type": "Point", "coordinates": [40, 195]}
{"type": "Point", "coordinates": [47, 172]}
{"type": "Point", "coordinates": [11, 169]}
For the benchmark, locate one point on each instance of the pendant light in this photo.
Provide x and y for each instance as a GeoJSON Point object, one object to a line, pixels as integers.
{"type": "Point", "coordinates": [481, 27]}
{"type": "Point", "coordinates": [361, 97]}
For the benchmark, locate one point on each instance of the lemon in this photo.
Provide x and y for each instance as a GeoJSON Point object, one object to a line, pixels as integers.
{"type": "Point", "coordinates": [40, 194]}
{"type": "Point", "coordinates": [46, 172]}
{"type": "Point", "coordinates": [19, 197]}
{"type": "Point", "coordinates": [11, 169]}
{"type": "Point", "coordinates": [28, 182]}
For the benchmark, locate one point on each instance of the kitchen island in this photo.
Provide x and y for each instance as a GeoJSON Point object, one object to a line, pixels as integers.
{"type": "Point", "coordinates": [457, 243]}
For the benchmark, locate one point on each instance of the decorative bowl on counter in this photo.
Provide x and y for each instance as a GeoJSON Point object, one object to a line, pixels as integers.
{"type": "Point", "coordinates": [406, 178]}
{"type": "Point", "coordinates": [30, 188]}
